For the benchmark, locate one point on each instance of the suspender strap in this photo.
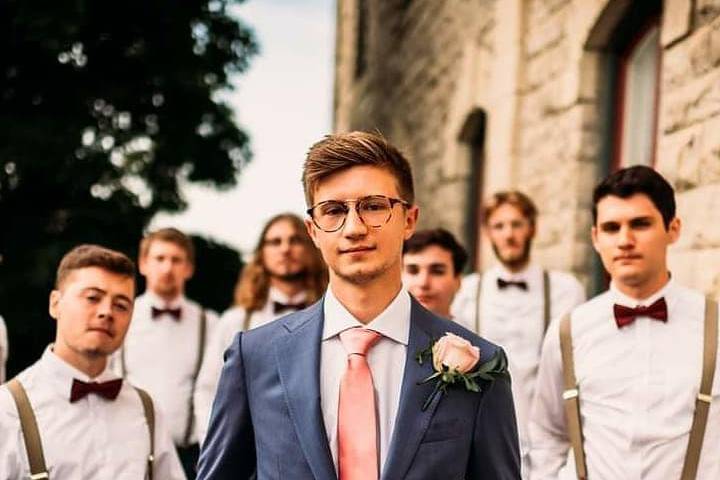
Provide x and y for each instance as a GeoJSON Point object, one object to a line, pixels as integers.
{"type": "Point", "coordinates": [198, 363]}
{"type": "Point", "coordinates": [149, 412]}
{"type": "Point", "coordinates": [702, 403]}
{"type": "Point", "coordinates": [28, 424]}
{"type": "Point", "coordinates": [477, 303]}
{"type": "Point", "coordinates": [546, 300]}
{"type": "Point", "coordinates": [571, 397]}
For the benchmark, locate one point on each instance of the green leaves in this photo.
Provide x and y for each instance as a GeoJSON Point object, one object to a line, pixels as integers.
{"type": "Point", "coordinates": [488, 371]}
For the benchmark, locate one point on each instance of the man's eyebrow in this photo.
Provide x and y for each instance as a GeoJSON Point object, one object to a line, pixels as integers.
{"type": "Point", "coordinates": [94, 289]}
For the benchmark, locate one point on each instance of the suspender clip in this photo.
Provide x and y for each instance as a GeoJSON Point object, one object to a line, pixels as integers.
{"type": "Point", "coordinates": [570, 394]}
{"type": "Point", "coordinates": [40, 476]}
{"type": "Point", "coordinates": [704, 397]}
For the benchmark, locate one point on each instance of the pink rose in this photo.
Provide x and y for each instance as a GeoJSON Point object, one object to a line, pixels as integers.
{"type": "Point", "coordinates": [456, 353]}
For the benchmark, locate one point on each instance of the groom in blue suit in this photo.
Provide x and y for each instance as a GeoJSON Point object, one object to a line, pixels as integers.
{"type": "Point", "coordinates": [287, 405]}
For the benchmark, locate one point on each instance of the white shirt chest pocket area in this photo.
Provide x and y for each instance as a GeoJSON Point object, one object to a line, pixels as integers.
{"type": "Point", "coordinates": [131, 458]}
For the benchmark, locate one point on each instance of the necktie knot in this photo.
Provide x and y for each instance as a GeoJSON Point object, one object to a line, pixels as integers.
{"type": "Point", "coordinates": [358, 340]}
{"type": "Point", "coordinates": [626, 315]}
{"type": "Point", "coordinates": [109, 390]}
{"type": "Point", "coordinates": [175, 313]}
{"type": "Point", "coordinates": [503, 284]}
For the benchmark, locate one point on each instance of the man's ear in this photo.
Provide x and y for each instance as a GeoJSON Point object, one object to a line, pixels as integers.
{"type": "Point", "coordinates": [55, 296]}
{"type": "Point", "coordinates": [674, 229]}
{"type": "Point", "coordinates": [142, 265]}
{"type": "Point", "coordinates": [189, 270]}
{"type": "Point", "coordinates": [593, 236]}
{"type": "Point", "coordinates": [311, 230]}
{"type": "Point", "coordinates": [411, 219]}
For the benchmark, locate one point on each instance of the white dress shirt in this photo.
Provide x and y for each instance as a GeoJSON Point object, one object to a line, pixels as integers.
{"type": "Point", "coordinates": [386, 360]}
{"type": "Point", "coordinates": [161, 356]}
{"type": "Point", "coordinates": [231, 322]}
{"type": "Point", "coordinates": [637, 386]}
{"type": "Point", "coordinates": [3, 349]}
{"type": "Point", "coordinates": [90, 439]}
{"type": "Point", "coordinates": [513, 318]}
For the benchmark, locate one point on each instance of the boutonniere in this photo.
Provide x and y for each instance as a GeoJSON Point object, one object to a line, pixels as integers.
{"type": "Point", "coordinates": [454, 359]}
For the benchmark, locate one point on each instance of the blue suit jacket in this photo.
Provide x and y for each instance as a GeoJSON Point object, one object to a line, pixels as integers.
{"type": "Point", "coordinates": [267, 419]}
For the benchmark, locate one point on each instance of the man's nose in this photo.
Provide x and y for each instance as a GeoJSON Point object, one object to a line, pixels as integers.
{"type": "Point", "coordinates": [354, 226]}
{"type": "Point", "coordinates": [626, 239]}
{"type": "Point", "coordinates": [105, 308]}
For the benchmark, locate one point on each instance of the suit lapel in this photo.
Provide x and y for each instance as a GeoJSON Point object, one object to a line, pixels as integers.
{"type": "Point", "coordinates": [411, 421]}
{"type": "Point", "coordinates": [298, 359]}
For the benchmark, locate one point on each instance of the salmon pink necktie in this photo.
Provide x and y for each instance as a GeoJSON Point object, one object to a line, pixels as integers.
{"type": "Point", "coordinates": [357, 420]}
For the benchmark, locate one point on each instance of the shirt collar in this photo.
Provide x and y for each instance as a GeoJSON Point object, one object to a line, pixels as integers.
{"type": "Point", "coordinates": [59, 374]}
{"type": "Point", "coordinates": [393, 322]}
{"type": "Point", "coordinates": [666, 291]}
{"type": "Point", "coordinates": [275, 295]}
{"type": "Point", "coordinates": [156, 301]}
{"type": "Point", "coordinates": [500, 271]}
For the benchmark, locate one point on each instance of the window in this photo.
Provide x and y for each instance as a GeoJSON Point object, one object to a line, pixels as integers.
{"type": "Point", "coordinates": [636, 100]}
{"type": "Point", "coordinates": [472, 137]}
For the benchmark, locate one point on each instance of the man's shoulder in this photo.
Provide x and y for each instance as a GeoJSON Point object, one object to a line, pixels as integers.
{"type": "Point", "coordinates": [264, 335]}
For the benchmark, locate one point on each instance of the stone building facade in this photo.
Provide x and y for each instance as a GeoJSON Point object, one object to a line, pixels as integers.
{"type": "Point", "coordinates": [538, 95]}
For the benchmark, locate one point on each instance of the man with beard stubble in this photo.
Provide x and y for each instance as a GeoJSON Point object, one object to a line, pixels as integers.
{"type": "Point", "coordinates": [513, 302]}
{"type": "Point", "coordinates": [168, 338]}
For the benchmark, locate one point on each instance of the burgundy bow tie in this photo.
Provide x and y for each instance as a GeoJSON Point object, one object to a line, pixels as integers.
{"type": "Point", "coordinates": [503, 284]}
{"type": "Point", "coordinates": [281, 307]}
{"type": "Point", "coordinates": [173, 312]}
{"type": "Point", "coordinates": [109, 389]}
{"type": "Point", "coordinates": [625, 315]}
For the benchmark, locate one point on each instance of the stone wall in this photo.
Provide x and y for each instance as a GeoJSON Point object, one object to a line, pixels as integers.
{"type": "Point", "coordinates": [538, 70]}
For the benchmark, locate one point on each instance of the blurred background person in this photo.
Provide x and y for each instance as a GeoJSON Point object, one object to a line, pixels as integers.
{"type": "Point", "coordinates": [91, 423]}
{"type": "Point", "coordinates": [513, 302]}
{"type": "Point", "coordinates": [168, 337]}
{"type": "Point", "coordinates": [433, 262]}
{"type": "Point", "coordinates": [286, 274]}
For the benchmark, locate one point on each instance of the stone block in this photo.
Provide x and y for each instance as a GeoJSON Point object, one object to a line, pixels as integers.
{"type": "Point", "coordinates": [676, 20]}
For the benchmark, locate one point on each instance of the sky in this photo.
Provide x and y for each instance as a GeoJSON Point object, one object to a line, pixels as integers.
{"type": "Point", "coordinates": [284, 102]}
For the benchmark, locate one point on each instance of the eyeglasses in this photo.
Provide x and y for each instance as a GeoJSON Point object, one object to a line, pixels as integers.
{"type": "Point", "coordinates": [374, 211]}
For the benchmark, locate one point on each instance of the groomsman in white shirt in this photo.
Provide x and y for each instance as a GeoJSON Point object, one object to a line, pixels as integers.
{"type": "Point", "coordinates": [286, 274]}
{"type": "Point", "coordinates": [513, 302]}
{"type": "Point", "coordinates": [87, 422]}
{"type": "Point", "coordinates": [433, 262]}
{"type": "Point", "coordinates": [168, 338]}
{"type": "Point", "coordinates": [3, 349]}
{"type": "Point", "coordinates": [626, 379]}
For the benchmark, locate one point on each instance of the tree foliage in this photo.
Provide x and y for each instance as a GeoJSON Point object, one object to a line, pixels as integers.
{"type": "Point", "coordinates": [105, 109]}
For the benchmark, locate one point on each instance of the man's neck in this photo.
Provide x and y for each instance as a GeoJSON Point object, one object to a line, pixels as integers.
{"type": "Point", "coordinates": [90, 365]}
{"type": "Point", "coordinates": [290, 288]}
{"type": "Point", "coordinates": [515, 268]}
{"type": "Point", "coordinates": [644, 290]}
{"type": "Point", "coordinates": [168, 298]}
{"type": "Point", "coordinates": [367, 301]}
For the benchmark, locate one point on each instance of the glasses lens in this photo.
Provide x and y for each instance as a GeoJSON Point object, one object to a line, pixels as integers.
{"type": "Point", "coordinates": [374, 211]}
{"type": "Point", "coordinates": [330, 215]}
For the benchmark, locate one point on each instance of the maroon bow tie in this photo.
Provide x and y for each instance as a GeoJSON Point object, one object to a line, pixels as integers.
{"type": "Point", "coordinates": [625, 315]}
{"type": "Point", "coordinates": [109, 389]}
{"type": "Point", "coordinates": [173, 312]}
{"type": "Point", "coordinates": [280, 307]}
{"type": "Point", "coordinates": [503, 284]}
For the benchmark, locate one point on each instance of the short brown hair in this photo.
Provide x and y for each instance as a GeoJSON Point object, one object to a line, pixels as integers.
{"type": "Point", "coordinates": [512, 197]}
{"type": "Point", "coordinates": [341, 151]}
{"type": "Point", "coordinates": [171, 235]}
{"type": "Point", "coordinates": [86, 256]}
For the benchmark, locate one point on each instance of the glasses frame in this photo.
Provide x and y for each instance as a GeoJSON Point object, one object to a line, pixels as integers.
{"type": "Point", "coordinates": [393, 201]}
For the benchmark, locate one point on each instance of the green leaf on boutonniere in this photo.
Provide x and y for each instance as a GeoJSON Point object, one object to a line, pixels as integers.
{"type": "Point", "coordinates": [491, 370]}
